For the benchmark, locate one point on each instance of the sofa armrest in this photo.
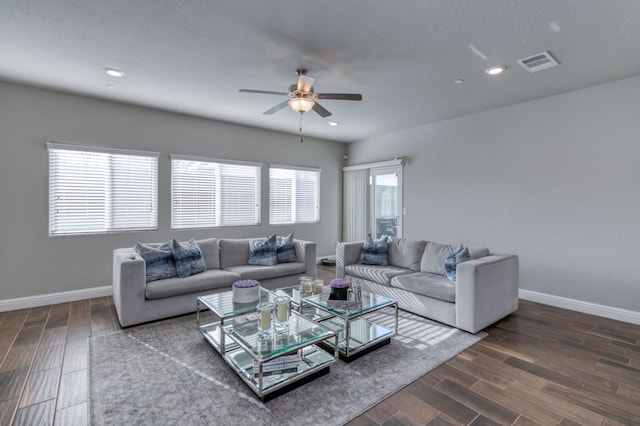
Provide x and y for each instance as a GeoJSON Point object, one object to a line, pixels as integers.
{"type": "Point", "coordinates": [306, 252]}
{"type": "Point", "coordinates": [129, 282]}
{"type": "Point", "coordinates": [486, 291]}
{"type": "Point", "coordinates": [347, 253]}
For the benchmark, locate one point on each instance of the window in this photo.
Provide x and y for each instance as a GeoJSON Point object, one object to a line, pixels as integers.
{"type": "Point", "coordinates": [294, 195]}
{"type": "Point", "coordinates": [95, 190]}
{"type": "Point", "coordinates": [209, 193]}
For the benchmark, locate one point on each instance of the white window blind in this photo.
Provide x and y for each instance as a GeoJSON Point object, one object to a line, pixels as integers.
{"type": "Point", "coordinates": [94, 190]}
{"type": "Point", "coordinates": [294, 195]}
{"type": "Point", "coordinates": [210, 193]}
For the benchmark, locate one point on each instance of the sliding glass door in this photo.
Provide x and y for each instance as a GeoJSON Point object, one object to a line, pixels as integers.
{"type": "Point", "coordinates": [386, 201]}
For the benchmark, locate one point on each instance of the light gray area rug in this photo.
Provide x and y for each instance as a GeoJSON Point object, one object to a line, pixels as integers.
{"type": "Point", "coordinates": [165, 373]}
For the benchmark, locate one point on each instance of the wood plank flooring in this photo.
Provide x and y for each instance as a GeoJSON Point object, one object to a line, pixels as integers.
{"type": "Point", "coordinates": [539, 366]}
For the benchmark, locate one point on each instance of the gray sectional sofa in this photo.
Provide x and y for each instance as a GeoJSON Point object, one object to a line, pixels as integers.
{"type": "Point", "coordinates": [137, 301]}
{"type": "Point", "coordinates": [485, 291]}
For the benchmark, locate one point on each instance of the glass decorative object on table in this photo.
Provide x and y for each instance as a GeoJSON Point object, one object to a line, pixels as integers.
{"type": "Point", "coordinates": [318, 286]}
{"type": "Point", "coordinates": [283, 309]}
{"type": "Point", "coordinates": [306, 286]}
{"type": "Point", "coordinates": [265, 312]}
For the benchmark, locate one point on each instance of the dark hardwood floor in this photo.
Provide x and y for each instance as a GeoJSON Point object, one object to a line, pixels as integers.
{"type": "Point", "coordinates": [541, 365]}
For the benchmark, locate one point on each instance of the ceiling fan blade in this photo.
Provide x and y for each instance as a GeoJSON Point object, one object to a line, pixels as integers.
{"type": "Point", "coordinates": [264, 92]}
{"type": "Point", "coordinates": [341, 96]}
{"type": "Point", "coordinates": [305, 83]}
{"type": "Point", "coordinates": [322, 111]}
{"type": "Point", "coordinates": [276, 108]}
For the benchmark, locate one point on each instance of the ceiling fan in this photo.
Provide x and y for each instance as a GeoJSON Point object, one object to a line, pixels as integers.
{"type": "Point", "coordinates": [302, 97]}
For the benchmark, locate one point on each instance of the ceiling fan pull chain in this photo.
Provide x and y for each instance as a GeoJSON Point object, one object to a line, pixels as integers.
{"type": "Point", "coordinates": [301, 127]}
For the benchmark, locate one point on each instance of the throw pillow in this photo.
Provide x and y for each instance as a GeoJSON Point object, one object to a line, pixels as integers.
{"type": "Point", "coordinates": [158, 260]}
{"type": "Point", "coordinates": [286, 249]}
{"type": "Point", "coordinates": [461, 254]}
{"type": "Point", "coordinates": [262, 251]}
{"type": "Point", "coordinates": [375, 252]}
{"type": "Point", "coordinates": [188, 258]}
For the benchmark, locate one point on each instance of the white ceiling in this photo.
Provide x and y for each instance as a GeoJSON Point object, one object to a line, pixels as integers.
{"type": "Point", "coordinates": [192, 56]}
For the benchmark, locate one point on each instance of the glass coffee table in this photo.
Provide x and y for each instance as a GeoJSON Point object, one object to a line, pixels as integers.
{"type": "Point", "coordinates": [271, 362]}
{"type": "Point", "coordinates": [356, 335]}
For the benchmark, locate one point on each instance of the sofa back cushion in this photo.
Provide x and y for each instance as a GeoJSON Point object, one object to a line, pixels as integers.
{"type": "Point", "coordinates": [233, 252]}
{"type": "Point", "coordinates": [434, 257]}
{"type": "Point", "coordinates": [210, 252]}
{"type": "Point", "coordinates": [478, 252]}
{"type": "Point", "coordinates": [406, 253]}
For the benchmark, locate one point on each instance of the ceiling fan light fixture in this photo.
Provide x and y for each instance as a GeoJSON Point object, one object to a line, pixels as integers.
{"type": "Point", "coordinates": [301, 104]}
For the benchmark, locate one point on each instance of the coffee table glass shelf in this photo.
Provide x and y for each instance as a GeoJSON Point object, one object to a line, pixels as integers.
{"type": "Point", "coordinates": [356, 335]}
{"type": "Point", "coordinates": [250, 352]}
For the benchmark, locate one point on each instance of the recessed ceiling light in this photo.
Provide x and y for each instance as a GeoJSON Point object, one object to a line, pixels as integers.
{"type": "Point", "coordinates": [458, 81]}
{"type": "Point", "coordinates": [113, 72]}
{"type": "Point", "coordinates": [495, 70]}
{"type": "Point", "coordinates": [110, 86]}
{"type": "Point", "coordinates": [333, 123]}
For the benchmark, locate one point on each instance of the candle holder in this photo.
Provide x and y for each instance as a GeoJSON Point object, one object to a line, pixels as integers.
{"type": "Point", "coordinates": [265, 313]}
{"type": "Point", "coordinates": [283, 309]}
{"type": "Point", "coordinates": [306, 286]}
{"type": "Point", "coordinates": [318, 286]}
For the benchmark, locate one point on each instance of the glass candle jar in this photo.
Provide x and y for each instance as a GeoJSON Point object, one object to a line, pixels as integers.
{"type": "Point", "coordinates": [318, 285]}
{"type": "Point", "coordinates": [282, 309]}
{"type": "Point", "coordinates": [306, 286]}
{"type": "Point", "coordinates": [265, 311]}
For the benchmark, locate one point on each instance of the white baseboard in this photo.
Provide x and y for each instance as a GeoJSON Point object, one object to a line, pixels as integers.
{"type": "Point", "coordinates": [610, 312]}
{"type": "Point", "coordinates": [53, 298]}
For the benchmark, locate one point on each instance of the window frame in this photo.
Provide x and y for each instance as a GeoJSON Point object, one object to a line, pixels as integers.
{"type": "Point", "coordinates": [293, 216]}
{"type": "Point", "coordinates": [112, 184]}
{"type": "Point", "coordinates": [219, 204]}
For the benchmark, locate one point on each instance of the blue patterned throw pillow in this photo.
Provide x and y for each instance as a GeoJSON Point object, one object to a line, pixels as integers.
{"type": "Point", "coordinates": [286, 249]}
{"type": "Point", "coordinates": [158, 260]}
{"type": "Point", "coordinates": [460, 254]}
{"type": "Point", "coordinates": [188, 258]}
{"type": "Point", "coordinates": [375, 252]}
{"type": "Point", "coordinates": [262, 251]}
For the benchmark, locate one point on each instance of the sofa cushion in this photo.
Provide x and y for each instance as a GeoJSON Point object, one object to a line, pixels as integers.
{"type": "Point", "coordinates": [374, 252]}
{"type": "Point", "coordinates": [158, 260]}
{"type": "Point", "coordinates": [426, 284]}
{"type": "Point", "coordinates": [406, 253]}
{"type": "Point", "coordinates": [188, 258]}
{"type": "Point", "coordinates": [210, 252]}
{"type": "Point", "coordinates": [233, 252]}
{"type": "Point", "coordinates": [208, 280]}
{"type": "Point", "coordinates": [461, 254]}
{"type": "Point", "coordinates": [478, 252]}
{"type": "Point", "coordinates": [378, 274]}
{"type": "Point", "coordinates": [251, 272]}
{"type": "Point", "coordinates": [286, 249]}
{"type": "Point", "coordinates": [434, 256]}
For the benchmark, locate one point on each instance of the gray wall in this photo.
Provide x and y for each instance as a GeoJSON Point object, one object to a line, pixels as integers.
{"type": "Point", "coordinates": [32, 263]}
{"type": "Point", "coordinates": [556, 181]}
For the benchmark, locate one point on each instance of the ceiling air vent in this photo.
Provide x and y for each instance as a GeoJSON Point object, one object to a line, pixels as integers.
{"type": "Point", "coordinates": [538, 62]}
